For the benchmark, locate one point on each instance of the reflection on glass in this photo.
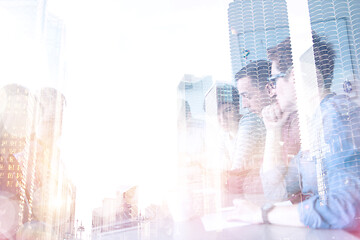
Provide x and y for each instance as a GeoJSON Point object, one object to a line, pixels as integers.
{"type": "Point", "coordinates": [278, 143]}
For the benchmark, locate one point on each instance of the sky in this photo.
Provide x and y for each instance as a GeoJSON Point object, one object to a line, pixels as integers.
{"type": "Point", "coordinates": [124, 60]}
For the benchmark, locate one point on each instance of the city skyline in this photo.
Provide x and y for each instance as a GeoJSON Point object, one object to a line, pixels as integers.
{"type": "Point", "coordinates": [132, 38]}
{"type": "Point", "coordinates": [120, 66]}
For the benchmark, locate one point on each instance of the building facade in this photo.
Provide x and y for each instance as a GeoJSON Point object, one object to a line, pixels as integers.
{"type": "Point", "coordinates": [33, 177]}
{"type": "Point", "coordinates": [254, 26]}
{"type": "Point", "coordinates": [14, 156]}
{"type": "Point", "coordinates": [117, 214]}
{"type": "Point", "coordinates": [339, 22]}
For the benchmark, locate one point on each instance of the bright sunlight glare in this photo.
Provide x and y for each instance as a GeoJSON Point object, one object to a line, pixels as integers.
{"type": "Point", "coordinates": [123, 67]}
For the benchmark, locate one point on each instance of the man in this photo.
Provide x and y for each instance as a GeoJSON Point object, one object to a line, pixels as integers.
{"type": "Point", "coordinates": [281, 121]}
{"type": "Point", "coordinates": [251, 82]}
{"type": "Point", "coordinates": [247, 156]}
{"type": "Point", "coordinates": [328, 174]}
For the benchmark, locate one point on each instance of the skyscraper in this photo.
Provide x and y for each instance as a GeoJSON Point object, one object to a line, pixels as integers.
{"type": "Point", "coordinates": [254, 26]}
{"type": "Point", "coordinates": [14, 157]}
{"type": "Point", "coordinates": [339, 22]}
{"type": "Point", "coordinates": [32, 175]}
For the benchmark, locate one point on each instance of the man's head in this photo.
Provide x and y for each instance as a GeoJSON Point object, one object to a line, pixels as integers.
{"type": "Point", "coordinates": [283, 74]}
{"type": "Point", "coordinates": [324, 56]}
{"type": "Point", "coordinates": [251, 82]}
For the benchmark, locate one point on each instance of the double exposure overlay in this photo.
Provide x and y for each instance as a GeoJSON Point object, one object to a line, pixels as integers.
{"type": "Point", "coordinates": [281, 140]}
{"type": "Point", "coordinates": [267, 149]}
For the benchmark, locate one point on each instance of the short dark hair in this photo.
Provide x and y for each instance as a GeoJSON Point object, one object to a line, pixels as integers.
{"type": "Point", "coordinates": [282, 55]}
{"type": "Point", "coordinates": [324, 56]}
{"type": "Point", "coordinates": [258, 71]}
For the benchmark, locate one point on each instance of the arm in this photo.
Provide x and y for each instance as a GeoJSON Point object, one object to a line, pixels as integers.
{"type": "Point", "coordinates": [340, 212]}
{"type": "Point", "coordinates": [336, 207]}
{"type": "Point", "coordinates": [274, 121]}
{"type": "Point", "coordinates": [247, 139]}
{"type": "Point", "coordinates": [273, 150]}
{"type": "Point", "coordinates": [280, 215]}
{"type": "Point", "coordinates": [274, 170]}
{"type": "Point", "coordinates": [285, 215]}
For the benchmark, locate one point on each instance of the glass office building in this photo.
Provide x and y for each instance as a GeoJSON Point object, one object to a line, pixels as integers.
{"type": "Point", "coordinates": [255, 26]}
{"type": "Point", "coordinates": [33, 176]}
{"type": "Point", "coordinates": [339, 22]}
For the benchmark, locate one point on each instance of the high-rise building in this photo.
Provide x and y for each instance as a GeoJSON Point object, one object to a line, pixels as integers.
{"type": "Point", "coordinates": [191, 116]}
{"type": "Point", "coordinates": [41, 35]}
{"type": "Point", "coordinates": [35, 183]}
{"type": "Point", "coordinates": [339, 22]}
{"type": "Point", "coordinates": [14, 155]}
{"type": "Point", "coordinates": [117, 214]}
{"type": "Point", "coordinates": [193, 90]}
{"type": "Point", "coordinates": [254, 26]}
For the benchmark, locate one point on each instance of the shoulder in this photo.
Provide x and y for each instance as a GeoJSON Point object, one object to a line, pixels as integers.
{"type": "Point", "coordinates": [337, 107]}
{"type": "Point", "coordinates": [339, 103]}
